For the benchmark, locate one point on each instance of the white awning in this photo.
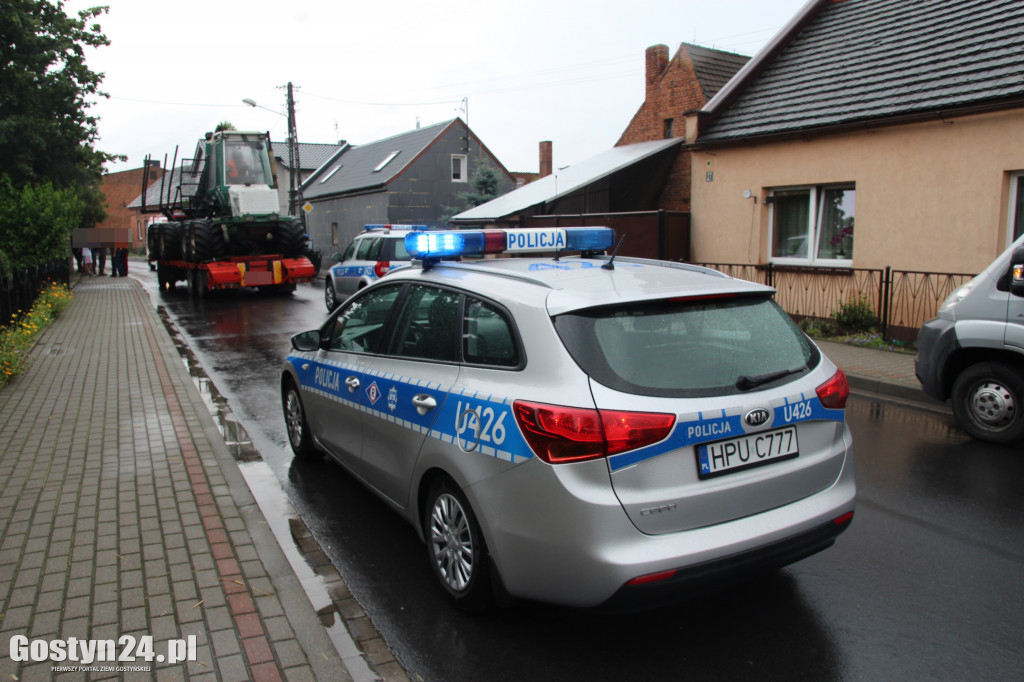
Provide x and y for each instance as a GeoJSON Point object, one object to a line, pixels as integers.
{"type": "Point", "coordinates": [566, 181]}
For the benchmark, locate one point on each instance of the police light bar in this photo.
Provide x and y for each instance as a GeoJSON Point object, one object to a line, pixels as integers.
{"type": "Point", "coordinates": [394, 227]}
{"type": "Point", "coordinates": [448, 244]}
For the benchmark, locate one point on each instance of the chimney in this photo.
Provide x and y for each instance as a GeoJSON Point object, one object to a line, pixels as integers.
{"type": "Point", "coordinates": [545, 158]}
{"type": "Point", "coordinates": [657, 62]}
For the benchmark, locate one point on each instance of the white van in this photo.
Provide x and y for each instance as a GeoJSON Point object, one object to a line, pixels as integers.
{"type": "Point", "coordinates": [973, 352]}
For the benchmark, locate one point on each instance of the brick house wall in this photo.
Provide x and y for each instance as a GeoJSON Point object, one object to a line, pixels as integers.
{"type": "Point", "coordinates": [120, 189]}
{"type": "Point", "coordinates": [673, 88]}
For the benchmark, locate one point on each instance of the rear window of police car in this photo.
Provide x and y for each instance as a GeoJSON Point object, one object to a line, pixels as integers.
{"type": "Point", "coordinates": [688, 348]}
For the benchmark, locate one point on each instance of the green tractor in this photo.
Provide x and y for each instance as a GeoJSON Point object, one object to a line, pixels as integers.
{"type": "Point", "coordinates": [223, 228]}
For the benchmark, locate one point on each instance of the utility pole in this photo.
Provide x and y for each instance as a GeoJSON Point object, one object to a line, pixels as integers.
{"type": "Point", "coordinates": [295, 200]}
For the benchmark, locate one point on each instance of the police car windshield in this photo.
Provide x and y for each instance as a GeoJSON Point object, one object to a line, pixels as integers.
{"type": "Point", "coordinates": [688, 348]}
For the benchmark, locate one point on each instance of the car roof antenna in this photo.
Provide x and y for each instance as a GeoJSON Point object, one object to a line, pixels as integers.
{"type": "Point", "coordinates": [610, 265]}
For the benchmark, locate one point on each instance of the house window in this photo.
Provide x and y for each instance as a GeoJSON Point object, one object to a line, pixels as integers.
{"type": "Point", "coordinates": [1016, 226]}
{"type": "Point", "coordinates": [813, 225]}
{"type": "Point", "coordinates": [669, 128]}
{"type": "Point", "coordinates": [334, 234]}
{"type": "Point", "coordinates": [459, 165]}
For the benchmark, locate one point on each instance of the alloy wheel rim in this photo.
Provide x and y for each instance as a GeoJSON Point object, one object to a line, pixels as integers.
{"type": "Point", "coordinates": [294, 418]}
{"type": "Point", "coordinates": [451, 542]}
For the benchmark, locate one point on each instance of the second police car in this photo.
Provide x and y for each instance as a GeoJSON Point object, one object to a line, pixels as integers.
{"type": "Point", "coordinates": [369, 256]}
{"type": "Point", "coordinates": [583, 430]}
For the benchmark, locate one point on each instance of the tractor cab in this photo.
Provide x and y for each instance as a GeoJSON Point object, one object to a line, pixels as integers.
{"type": "Point", "coordinates": [237, 175]}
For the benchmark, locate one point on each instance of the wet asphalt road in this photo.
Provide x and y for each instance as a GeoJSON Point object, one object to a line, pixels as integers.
{"type": "Point", "coordinates": [926, 584]}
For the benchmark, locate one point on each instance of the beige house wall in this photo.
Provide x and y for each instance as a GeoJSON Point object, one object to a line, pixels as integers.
{"type": "Point", "coordinates": [930, 196]}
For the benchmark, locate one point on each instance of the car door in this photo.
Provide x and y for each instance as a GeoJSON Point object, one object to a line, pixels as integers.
{"type": "Point", "coordinates": [1015, 306]}
{"type": "Point", "coordinates": [357, 266]}
{"type": "Point", "coordinates": [407, 386]}
{"type": "Point", "coordinates": [342, 372]}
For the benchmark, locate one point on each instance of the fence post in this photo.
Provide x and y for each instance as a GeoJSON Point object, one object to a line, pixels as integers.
{"type": "Point", "coordinates": [886, 292]}
{"type": "Point", "coordinates": [661, 234]}
{"type": "Point", "coordinates": [769, 274]}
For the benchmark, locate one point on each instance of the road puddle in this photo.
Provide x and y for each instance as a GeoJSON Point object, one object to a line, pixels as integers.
{"type": "Point", "coordinates": [235, 436]}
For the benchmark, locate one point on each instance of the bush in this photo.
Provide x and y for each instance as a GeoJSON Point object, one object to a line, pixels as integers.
{"type": "Point", "coordinates": [817, 328]}
{"type": "Point", "coordinates": [855, 316]}
{"type": "Point", "coordinates": [36, 222]}
{"type": "Point", "coordinates": [18, 337]}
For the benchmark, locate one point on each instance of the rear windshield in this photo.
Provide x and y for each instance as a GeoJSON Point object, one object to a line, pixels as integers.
{"type": "Point", "coordinates": [688, 348]}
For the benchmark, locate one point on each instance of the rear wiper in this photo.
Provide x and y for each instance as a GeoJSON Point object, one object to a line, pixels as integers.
{"type": "Point", "coordinates": [745, 383]}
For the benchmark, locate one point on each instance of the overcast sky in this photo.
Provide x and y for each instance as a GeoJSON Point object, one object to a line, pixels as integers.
{"type": "Point", "coordinates": [569, 71]}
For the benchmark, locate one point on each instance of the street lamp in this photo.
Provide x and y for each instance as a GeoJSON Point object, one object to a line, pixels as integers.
{"type": "Point", "coordinates": [294, 167]}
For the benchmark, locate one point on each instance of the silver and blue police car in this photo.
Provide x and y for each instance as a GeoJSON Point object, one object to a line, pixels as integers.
{"type": "Point", "coordinates": [369, 256]}
{"type": "Point", "coordinates": [583, 430]}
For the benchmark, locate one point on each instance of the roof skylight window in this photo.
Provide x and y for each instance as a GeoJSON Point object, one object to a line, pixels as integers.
{"type": "Point", "coordinates": [333, 171]}
{"type": "Point", "coordinates": [386, 161]}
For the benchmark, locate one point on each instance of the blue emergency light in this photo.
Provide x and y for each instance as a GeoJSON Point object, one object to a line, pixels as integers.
{"type": "Point", "coordinates": [449, 244]}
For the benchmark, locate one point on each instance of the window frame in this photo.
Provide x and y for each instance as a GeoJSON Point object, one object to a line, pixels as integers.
{"type": "Point", "coordinates": [391, 325]}
{"type": "Point", "coordinates": [813, 232]}
{"type": "Point", "coordinates": [330, 332]}
{"type": "Point", "coordinates": [464, 159]}
{"type": "Point", "coordinates": [1015, 206]}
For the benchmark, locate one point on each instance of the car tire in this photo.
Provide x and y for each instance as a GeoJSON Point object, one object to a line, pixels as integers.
{"type": "Point", "coordinates": [295, 423]}
{"type": "Point", "coordinates": [455, 547]}
{"type": "Point", "coordinates": [988, 402]}
{"type": "Point", "coordinates": [330, 295]}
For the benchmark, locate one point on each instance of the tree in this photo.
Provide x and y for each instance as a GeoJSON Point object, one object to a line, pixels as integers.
{"type": "Point", "coordinates": [49, 169]}
{"type": "Point", "coordinates": [485, 184]}
{"type": "Point", "coordinates": [45, 130]}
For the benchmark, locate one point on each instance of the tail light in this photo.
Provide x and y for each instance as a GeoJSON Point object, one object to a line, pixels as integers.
{"type": "Point", "coordinates": [834, 392]}
{"type": "Point", "coordinates": [570, 434]}
{"type": "Point", "coordinates": [381, 268]}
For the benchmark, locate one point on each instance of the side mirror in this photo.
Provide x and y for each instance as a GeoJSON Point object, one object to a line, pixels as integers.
{"type": "Point", "coordinates": [307, 341]}
{"type": "Point", "coordinates": [336, 258]}
{"type": "Point", "coordinates": [1017, 273]}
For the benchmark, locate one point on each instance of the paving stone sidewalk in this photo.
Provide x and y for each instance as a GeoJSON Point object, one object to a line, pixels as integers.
{"type": "Point", "coordinates": [123, 515]}
{"type": "Point", "coordinates": [886, 373]}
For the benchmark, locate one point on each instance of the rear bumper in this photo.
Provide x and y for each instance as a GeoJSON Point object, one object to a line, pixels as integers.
{"type": "Point", "coordinates": [691, 581]}
{"type": "Point", "coordinates": [571, 543]}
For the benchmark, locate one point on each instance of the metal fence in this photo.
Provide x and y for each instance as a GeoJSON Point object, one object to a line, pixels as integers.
{"type": "Point", "coordinates": [19, 291]}
{"type": "Point", "coordinates": [902, 300]}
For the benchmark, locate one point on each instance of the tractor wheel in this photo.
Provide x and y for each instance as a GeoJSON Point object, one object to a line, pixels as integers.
{"type": "Point", "coordinates": [166, 277]}
{"type": "Point", "coordinates": [290, 238]}
{"type": "Point", "coordinates": [170, 241]}
{"type": "Point", "coordinates": [187, 244]}
{"type": "Point", "coordinates": [316, 258]}
{"type": "Point", "coordinates": [207, 240]}
{"type": "Point", "coordinates": [153, 241]}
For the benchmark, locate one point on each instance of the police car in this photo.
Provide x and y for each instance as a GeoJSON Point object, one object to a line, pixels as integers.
{"type": "Point", "coordinates": [369, 256]}
{"type": "Point", "coordinates": [583, 430]}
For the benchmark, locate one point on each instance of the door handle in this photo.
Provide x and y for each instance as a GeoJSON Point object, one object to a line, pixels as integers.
{"type": "Point", "coordinates": [424, 403]}
{"type": "Point", "coordinates": [352, 383]}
